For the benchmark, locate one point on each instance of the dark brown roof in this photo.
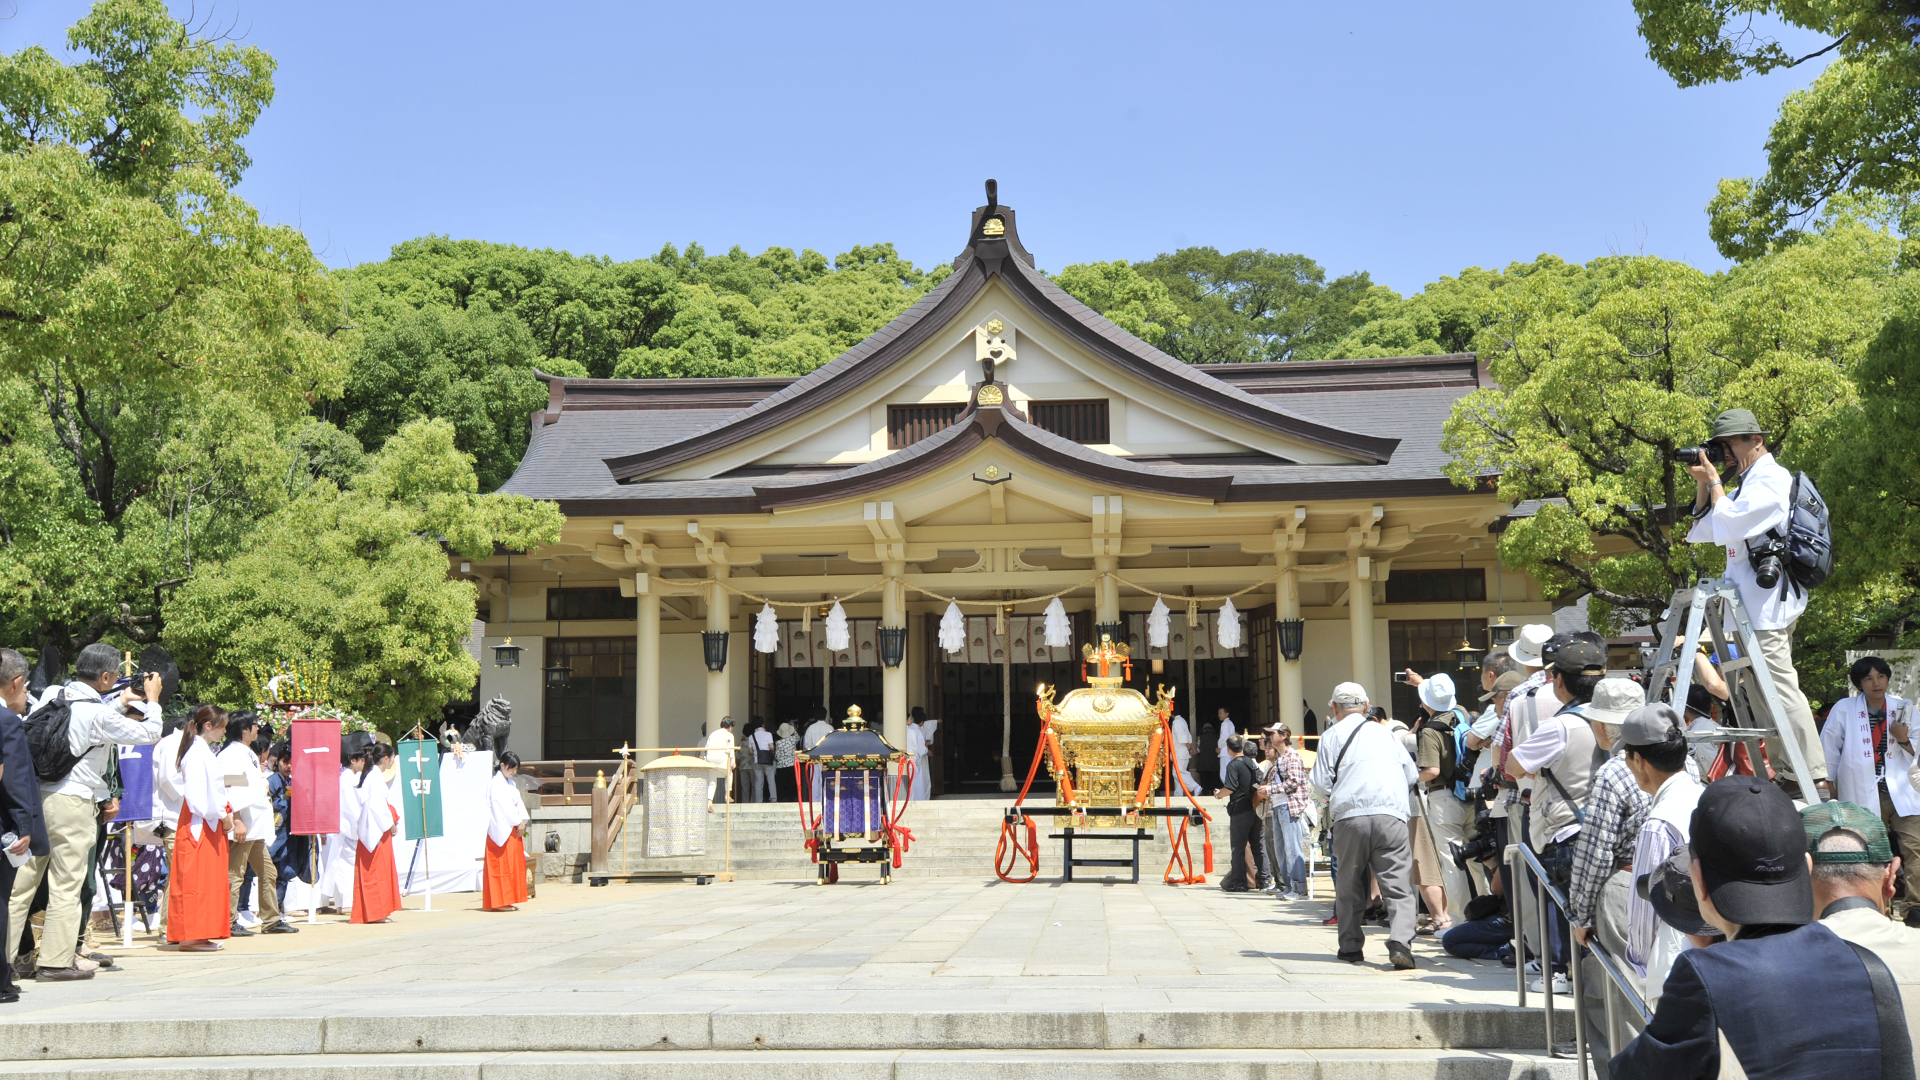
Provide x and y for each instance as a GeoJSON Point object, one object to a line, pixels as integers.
{"type": "Point", "coordinates": [598, 440]}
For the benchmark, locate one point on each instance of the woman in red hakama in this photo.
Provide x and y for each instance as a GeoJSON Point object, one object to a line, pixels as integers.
{"type": "Point", "coordinates": [197, 895]}
{"type": "Point", "coordinates": [376, 881]}
{"type": "Point", "coordinates": [504, 883]}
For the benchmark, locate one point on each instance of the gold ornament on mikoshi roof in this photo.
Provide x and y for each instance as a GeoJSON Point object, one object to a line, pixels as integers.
{"type": "Point", "coordinates": [1104, 738]}
{"type": "Point", "coordinates": [994, 227]}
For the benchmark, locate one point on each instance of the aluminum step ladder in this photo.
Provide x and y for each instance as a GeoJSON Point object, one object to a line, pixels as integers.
{"type": "Point", "coordinates": [1713, 607]}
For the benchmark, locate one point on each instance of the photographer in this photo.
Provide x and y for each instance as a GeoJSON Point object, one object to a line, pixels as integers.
{"type": "Point", "coordinates": [70, 803]}
{"type": "Point", "coordinates": [1738, 523]}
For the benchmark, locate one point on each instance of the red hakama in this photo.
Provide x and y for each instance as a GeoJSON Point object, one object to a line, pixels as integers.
{"type": "Point", "coordinates": [197, 895]}
{"type": "Point", "coordinates": [505, 881]}
{"type": "Point", "coordinates": [376, 884]}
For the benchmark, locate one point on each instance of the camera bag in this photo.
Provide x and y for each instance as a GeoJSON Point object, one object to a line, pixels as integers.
{"type": "Point", "coordinates": [53, 756]}
{"type": "Point", "coordinates": [1808, 544]}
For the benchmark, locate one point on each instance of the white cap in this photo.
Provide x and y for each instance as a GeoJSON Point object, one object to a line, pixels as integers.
{"type": "Point", "coordinates": [1436, 692]}
{"type": "Point", "coordinates": [1526, 645]}
{"type": "Point", "coordinates": [1613, 699]}
{"type": "Point", "coordinates": [1349, 694]}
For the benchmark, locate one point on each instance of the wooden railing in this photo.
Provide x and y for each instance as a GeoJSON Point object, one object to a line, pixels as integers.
{"type": "Point", "coordinates": [568, 782]}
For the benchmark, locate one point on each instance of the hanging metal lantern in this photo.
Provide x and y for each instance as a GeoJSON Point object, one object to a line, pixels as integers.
{"type": "Point", "coordinates": [559, 673]}
{"type": "Point", "coordinates": [1293, 634]}
{"type": "Point", "coordinates": [507, 654]}
{"type": "Point", "coordinates": [893, 645]}
{"type": "Point", "coordinates": [714, 644]}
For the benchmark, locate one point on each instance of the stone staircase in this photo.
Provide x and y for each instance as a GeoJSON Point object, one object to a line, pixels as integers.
{"type": "Point", "coordinates": [952, 837]}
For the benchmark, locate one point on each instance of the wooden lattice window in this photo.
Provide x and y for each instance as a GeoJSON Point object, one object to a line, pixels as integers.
{"type": "Point", "coordinates": [1081, 421]}
{"type": "Point", "coordinates": [908, 424]}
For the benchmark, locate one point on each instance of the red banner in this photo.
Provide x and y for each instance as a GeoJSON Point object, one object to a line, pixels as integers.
{"type": "Point", "coordinates": [316, 777]}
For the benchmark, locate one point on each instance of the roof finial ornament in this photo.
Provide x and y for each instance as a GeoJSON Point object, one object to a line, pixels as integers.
{"type": "Point", "coordinates": [990, 222]}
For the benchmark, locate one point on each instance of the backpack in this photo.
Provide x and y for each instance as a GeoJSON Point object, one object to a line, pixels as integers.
{"type": "Point", "coordinates": [47, 726]}
{"type": "Point", "coordinates": [1807, 548]}
{"type": "Point", "coordinates": [1449, 724]}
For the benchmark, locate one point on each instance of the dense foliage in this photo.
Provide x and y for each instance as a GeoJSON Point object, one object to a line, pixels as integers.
{"type": "Point", "coordinates": [1855, 131]}
{"type": "Point", "coordinates": [454, 329]}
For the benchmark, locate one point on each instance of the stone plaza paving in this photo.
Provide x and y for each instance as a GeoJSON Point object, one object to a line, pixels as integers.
{"type": "Point", "coordinates": [946, 973]}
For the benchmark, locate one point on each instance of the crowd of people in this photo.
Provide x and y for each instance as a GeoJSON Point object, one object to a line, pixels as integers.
{"type": "Point", "coordinates": [1708, 870]}
{"type": "Point", "coordinates": [220, 820]}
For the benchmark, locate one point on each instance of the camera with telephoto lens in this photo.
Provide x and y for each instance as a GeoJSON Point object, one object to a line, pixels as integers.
{"type": "Point", "coordinates": [1711, 454]}
{"type": "Point", "coordinates": [1765, 553]}
{"type": "Point", "coordinates": [1482, 845]}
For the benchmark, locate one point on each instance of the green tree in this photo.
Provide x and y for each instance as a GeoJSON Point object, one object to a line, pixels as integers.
{"type": "Point", "coordinates": [1870, 475]}
{"type": "Point", "coordinates": [358, 576]}
{"type": "Point", "coordinates": [139, 299]}
{"type": "Point", "coordinates": [1254, 305]}
{"type": "Point", "coordinates": [1855, 130]}
{"type": "Point", "coordinates": [1140, 305]}
{"type": "Point", "coordinates": [471, 366]}
{"type": "Point", "coordinates": [1604, 369]}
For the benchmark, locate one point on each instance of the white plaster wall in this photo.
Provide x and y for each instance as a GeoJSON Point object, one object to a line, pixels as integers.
{"type": "Point", "coordinates": [521, 686]}
{"type": "Point", "coordinates": [1326, 660]}
{"type": "Point", "coordinates": [683, 686]}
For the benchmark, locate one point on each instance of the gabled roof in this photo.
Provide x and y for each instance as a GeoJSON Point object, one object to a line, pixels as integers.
{"type": "Point", "coordinates": [988, 257]}
{"type": "Point", "coordinates": [598, 442]}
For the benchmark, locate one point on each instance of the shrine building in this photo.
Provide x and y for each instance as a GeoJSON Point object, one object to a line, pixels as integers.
{"type": "Point", "coordinates": [998, 444]}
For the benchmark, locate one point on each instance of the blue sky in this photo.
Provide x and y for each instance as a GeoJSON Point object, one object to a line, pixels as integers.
{"type": "Point", "coordinates": [1406, 139]}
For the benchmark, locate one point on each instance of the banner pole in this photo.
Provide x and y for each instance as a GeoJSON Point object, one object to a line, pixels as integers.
{"type": "Point", "coordinates": [126, 888]}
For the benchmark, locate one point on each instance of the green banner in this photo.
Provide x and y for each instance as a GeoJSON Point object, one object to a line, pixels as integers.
{"type": "Point", "coordinates": [420, 787]}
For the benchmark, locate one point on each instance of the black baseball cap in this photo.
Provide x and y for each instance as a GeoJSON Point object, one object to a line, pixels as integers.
{"type": "Point", "coordinates": [1574, 657]}
{"type": "Point", "coordinates": [1752, 847]}
{"type": "Point", "coordinates": [1669, 889]}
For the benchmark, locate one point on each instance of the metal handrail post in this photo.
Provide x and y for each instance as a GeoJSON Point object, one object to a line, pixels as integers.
{"type": "Point", "coordinates": [1514, 870]}
{"type": "Point", "coordinates": [1521, 859]}
{"type": "Point", "coordinates": [1579, 1005]}
{"type": "Point", "coordinates": [1546, 958]}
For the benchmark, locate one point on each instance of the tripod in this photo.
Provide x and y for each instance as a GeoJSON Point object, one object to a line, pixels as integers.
{"type": "Point", "coordinates": [1713, 605]}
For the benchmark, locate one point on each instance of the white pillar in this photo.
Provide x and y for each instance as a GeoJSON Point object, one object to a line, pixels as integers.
{"type": "Point", "coordinates": [646, 667]}
{"type": "Point", "coordinates": [1106, 594]}
{"type": "Point", "coordinates": [719, 686]}
{"type": "Point", "coordinates": [1360, 623]}
{"type": "Point", "coordinates": [1290, 682]}
{"type": "Point", "coordinates": [893, 680]}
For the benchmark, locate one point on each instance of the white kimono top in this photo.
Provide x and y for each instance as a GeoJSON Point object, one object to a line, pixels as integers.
{"type": "Point", "coordinates": [203, 788]}
{"type": "Point", "coordinates": [506, 810]}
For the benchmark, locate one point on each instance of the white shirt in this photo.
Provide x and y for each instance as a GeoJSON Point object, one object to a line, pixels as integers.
{"type": "Point", "coordinates": [916, 742]}
{"type": "Point", "coordinates": [720, 747]}
{"type": "Point", "coordinates": [1652, 945]}
{"type": "Point", "coordinates": [506, 810]}
{"type": "Point", "coordinates": [166, 778]}
{"type": "Point", "coordinates": [202, 788]}
{"type": "Point", "coordinates": [349, 802]}
{"type": "Point", "coordinates": [763, 739]}
{"type": "Point", "coordinates": [1374, 777]}
{"type": "Point", "coordinates": [816, 731]}
{"type": "Point", "coordinates": [1761, 504]}
{"type": "Point", "coordinates": [1182, 737]}
{"type": "Point", "coordinates": [1226, 732]}
{"type": "Point", "coordinates": [249, 801]}
{"type": "Point", "coordinates": [93, 731]}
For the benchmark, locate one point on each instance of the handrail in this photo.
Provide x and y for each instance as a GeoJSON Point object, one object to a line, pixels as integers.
{"type": "Point", "coordinates": [1517, 856]}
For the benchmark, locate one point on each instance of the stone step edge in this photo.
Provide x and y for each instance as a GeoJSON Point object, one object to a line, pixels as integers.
{"type": "Point", "coordinates": [1227, 1064]}
{"type": "Point", "coordinates": [1432, 1026]}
